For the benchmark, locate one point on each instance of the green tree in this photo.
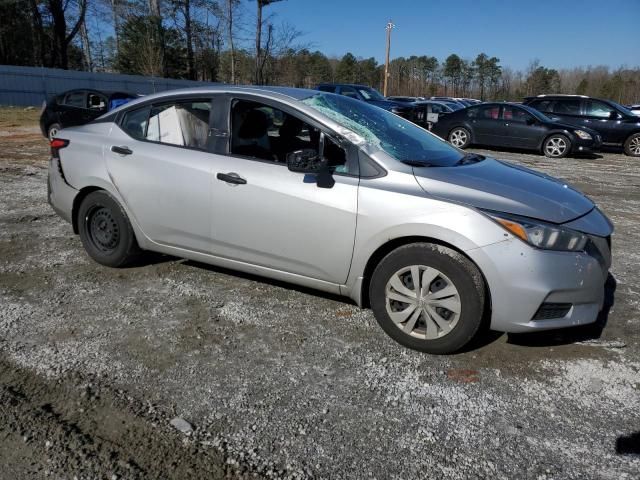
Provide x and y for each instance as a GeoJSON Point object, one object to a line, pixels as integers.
{"type": "Point", "coordinates": [452, 70]}
{"type": "Point", "coordinates": [347, 69]}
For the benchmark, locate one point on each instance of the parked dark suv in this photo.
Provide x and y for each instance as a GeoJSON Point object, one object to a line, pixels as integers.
{"type": "Point", "coordinates": [369, 95]}
{"type": "Point", "coordinates": [77, 107]}
{"type": "Point", "coordinates": [617, 125]}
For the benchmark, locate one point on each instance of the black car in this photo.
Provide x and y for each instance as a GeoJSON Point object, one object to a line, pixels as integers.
{"type": "Point", "coordinates": [77, 107]}
{"type": "Point", "coordinates": [617, 125]}
{"type": "Point", "coordinates": [516, 126]}
{"type": "Point", "coordinates": [369, 95]}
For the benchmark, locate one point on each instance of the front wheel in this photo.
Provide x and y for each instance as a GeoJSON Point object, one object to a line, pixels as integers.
{"type": "Point", "coordinates": [428, 297]}
{"type": "Point", "coordinates": [105, 231]}
{"type": "Point", "coordinates": [632, 145]}
{"type": "Point", "coordinates": [460, 137]}
{"type": "Point", "coordinates": [556, 146]}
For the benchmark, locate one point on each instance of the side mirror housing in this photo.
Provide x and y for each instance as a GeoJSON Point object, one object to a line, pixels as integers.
{"type": "Point", "coordinates": [306, 160]}
{"type": "Point", "coordinates": [531, 121]}
{"type": "Point", "coordinates": [614, 116]}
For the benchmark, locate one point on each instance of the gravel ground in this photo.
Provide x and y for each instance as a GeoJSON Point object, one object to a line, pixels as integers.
{"type": "Point", "coordinates": [274, 381]}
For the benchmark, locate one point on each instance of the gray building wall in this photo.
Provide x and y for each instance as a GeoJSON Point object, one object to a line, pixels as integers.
{"type": "Point", "coordinates": [25, 86]}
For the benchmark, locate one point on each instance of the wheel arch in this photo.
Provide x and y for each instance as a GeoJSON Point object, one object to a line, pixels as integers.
{"type": "Point", "coordinates": [386, 248]}
{"type": "Point", "coordinates": [551, 133]}
{"type": "Point", "coordinates": [81, 195]}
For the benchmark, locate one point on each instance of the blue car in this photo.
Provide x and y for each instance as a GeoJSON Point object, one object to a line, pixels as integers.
{"type": "Point", "coordinates": [369, 95]}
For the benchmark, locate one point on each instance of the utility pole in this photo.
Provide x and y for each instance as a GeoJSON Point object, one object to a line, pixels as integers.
{"type": "Point", "coordinates": [390, 25]}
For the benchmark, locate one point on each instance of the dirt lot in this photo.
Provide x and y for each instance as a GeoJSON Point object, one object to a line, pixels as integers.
{"type": "Point", "coordinates": [280, 382]}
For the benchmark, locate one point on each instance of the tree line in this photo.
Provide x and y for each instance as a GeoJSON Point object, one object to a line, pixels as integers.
{"type": "Point", "coordinates": [243, 42]}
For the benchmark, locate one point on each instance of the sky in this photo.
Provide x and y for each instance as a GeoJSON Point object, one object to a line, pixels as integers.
{"type": "Point", "coordinates": [560, 33]}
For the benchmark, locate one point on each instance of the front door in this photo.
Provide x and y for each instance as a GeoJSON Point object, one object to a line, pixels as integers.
{"type": "Point", "coordinates": [266, 215]}
{"type": "Point", "coordinates": [521, 129]}
{"type": "Point", "coordinates": [605, 120]}
{"type": "Point", "coordinates": [158, 161]}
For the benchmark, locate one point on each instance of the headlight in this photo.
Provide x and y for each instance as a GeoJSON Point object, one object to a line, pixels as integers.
{"type": "Point", "coordinates": [582, 134]}
{"type": "Point", "coordinates": [540, 234]}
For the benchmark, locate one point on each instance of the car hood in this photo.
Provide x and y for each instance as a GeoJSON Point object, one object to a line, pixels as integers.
{"type": "Point", "coordinates": [502, 187]}
{"type": "Point", "coordinates": [558, 123]}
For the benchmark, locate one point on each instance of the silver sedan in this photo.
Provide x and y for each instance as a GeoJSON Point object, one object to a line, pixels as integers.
{"type": "Point", "coordinates": [324, 191]}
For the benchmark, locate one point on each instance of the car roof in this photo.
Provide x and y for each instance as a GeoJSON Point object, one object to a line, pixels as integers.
{"type": "Point", "coordinates": [272, 92]}
{"type": "Point", "coordinates": [346, 85]}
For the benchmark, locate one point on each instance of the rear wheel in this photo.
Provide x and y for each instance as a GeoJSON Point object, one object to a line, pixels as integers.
{"type": "Point", "coordinates": [460, 137]}
{"type": "Point", "coordinates": [428, 297]}
{"type": "Point", "coordinates": [556, 146]}
{"type": "Point", "coordinates": [105, 231]}
{"type": "Point", "coordinates": [632, 145]}
{"type": "Point", "coordinates": [53, 130]}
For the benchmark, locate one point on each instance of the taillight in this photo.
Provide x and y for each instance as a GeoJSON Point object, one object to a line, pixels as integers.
{"type": "Point", "coordinates": [56, 144]}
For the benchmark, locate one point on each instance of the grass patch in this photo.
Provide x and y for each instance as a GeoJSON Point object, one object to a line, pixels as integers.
{"type": "Point", "coordinates": [19, 117]}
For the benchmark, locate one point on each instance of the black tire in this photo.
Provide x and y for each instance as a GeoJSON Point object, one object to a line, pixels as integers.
{"type": "Point", "coordinates": [53, 130]}
{"type": "Point", "coordinates": [105, 231]}
{"type": "Point", "coordinates": [453, 267]}
{"type": "Point", "coordinates": [556, 146]}
{"type": "Point", "coordinates": [632, 145]}
{"type": "Point", "coordinates": [459, 137]}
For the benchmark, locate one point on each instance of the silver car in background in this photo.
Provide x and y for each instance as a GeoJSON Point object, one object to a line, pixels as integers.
{"type": "Point", "coordinates": [327, 192]}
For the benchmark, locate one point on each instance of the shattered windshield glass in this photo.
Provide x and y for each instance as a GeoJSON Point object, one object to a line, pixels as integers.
{"type": "Point", "coordinates": [398, 137]}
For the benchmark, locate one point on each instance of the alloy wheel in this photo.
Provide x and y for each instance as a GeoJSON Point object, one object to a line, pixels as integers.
{"type": "Point", "coordinates": [458, 138]}
{"type": "Point", "coordinates": [555, 147]}
{"type": "Point", "coordinates": [52, 133]}
{"type": "Point", "coordinates": [634, 146]}
{"type": "Point", "coordinates": [422, 302]}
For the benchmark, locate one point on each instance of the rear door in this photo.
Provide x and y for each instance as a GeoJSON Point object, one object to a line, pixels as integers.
{"type": "Point", "coordinates": [568, 110]}
{"type": "Point", "coordinates": [521, 129]}
{"type": "Point", "coordinates": [159, 161]}
{"type": "Point", "coordinates": [266, 215]}
{"type": "Point", "coordinates": [488, 128]}
{"type": "Point", "coordinates": [73, 110]}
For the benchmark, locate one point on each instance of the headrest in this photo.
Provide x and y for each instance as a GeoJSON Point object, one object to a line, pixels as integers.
{"type": "Point", "coordinates": [290, 127]}
{"type": "Point", "coordinates": [254, 125]}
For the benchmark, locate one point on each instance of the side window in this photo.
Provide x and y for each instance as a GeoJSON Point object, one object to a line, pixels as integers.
{"type": "Point", "coordinates": [435, 108]}
{"type": "Point", "coordinates": [515, 114]}
{"type": "Point", "coordinates": [569, 106]}
{"type": "Point", "coordinates": [327, 88]}
{"type": "Point", "coordinates": [135, 122]}
{"type": "Point", "coordinates": [184, 123]}
{"type": "Point", "coordinates": [349, 92]}
{"type": "Point", "coordinates": [543, 105]}
{"type": "Point", "coordinates": [75, 99]}
{"type": "Point", "coordinates": [267, 133]}
{"type": "Point", "coordinates": [490, 112]}
{"type": "Point", "coordinates": [599, 109]}
{"type": "Point", "coordinates": [96, 102]}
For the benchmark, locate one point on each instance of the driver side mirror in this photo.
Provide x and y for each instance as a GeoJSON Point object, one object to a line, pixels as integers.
{"type": "Point", "coordinates": [307, 160]}
{"type": "Point", "coordinates": [531, 121]}
{"type": "Point", "coordinates": [614, 115]}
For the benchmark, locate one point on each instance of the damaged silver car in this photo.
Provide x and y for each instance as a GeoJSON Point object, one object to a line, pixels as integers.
{"type": "Point", "coordinates": [327, 192]}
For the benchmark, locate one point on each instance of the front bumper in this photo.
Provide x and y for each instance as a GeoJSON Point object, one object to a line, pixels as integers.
{"type": "Point", "coordinates": [60, 194]}
{"type": "Point", "coordinates": [522, 278]}
{"type": "Point", "coordinates": [587, 146]}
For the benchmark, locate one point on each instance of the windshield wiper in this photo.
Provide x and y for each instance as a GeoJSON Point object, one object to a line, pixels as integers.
{"type": "Point", "coordinates": [417, 163]}
{"type": "Point", "coordinates": [470, 158]}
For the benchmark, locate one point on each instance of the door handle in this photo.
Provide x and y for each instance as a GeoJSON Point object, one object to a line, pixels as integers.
{"type": "Point", "coordinates": [231, 177]}
{"type": "Point", "coordinates": [121, 150]}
